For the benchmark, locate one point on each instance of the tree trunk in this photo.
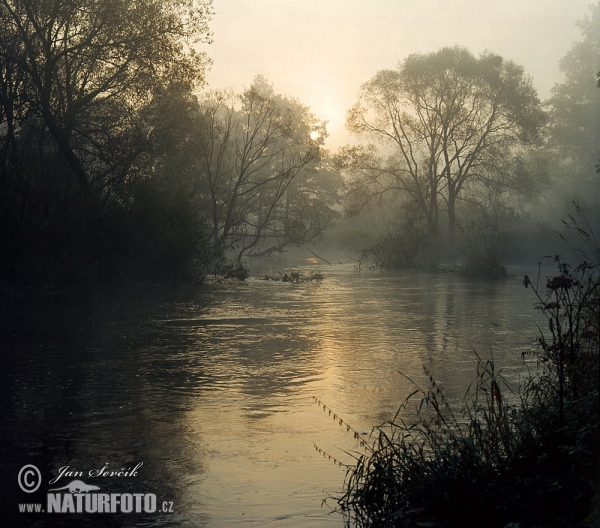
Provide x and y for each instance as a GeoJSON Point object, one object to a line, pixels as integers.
{"type": "Point", "coordinates": [451, 221]}
{"type": "Point", "coordinates": [451, 212]}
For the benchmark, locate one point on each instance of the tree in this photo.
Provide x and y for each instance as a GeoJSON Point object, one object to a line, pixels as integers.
{"type": "Point", "coordinates": [167, 226]}
{"type": "Point", "coordinates": [83, 68]}
{"type": "Point", "coordinates": [308, 208]}
{"type": "Point", "coordinates": [81, 164]}
{"type": "Point", "coordinates": [258, 155]}
{"type": "Point", "coordinates": [575, 103]}
{"type": "Point", "coordinates": [443, 122]}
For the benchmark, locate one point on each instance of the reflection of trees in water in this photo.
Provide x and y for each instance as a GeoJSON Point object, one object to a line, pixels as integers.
{"type": "Point", "coordinates": [77, 393]}
{"type": "Point", "coordinates": [404, 322]}
{"type": "Point", "coordinates": [150, 375]}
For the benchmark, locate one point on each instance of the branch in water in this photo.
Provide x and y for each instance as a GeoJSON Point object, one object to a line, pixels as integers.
{"type": "Point", "coordinates": [321, 258]}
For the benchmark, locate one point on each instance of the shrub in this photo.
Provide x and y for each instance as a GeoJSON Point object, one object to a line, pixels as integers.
{"type": "Point", "coordinates": [406, 244]}
{"type": "Point", "coordinates": [483, 245]}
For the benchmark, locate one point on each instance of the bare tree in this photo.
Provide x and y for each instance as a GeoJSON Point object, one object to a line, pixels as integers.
{"type": "Point", "coordinates": [255, 152]}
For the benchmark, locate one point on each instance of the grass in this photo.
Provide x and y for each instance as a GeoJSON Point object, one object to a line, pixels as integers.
{"type": "Point", "coordinates": [531, 460]}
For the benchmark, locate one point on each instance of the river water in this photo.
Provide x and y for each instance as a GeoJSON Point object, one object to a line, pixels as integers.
{"type": "Point", "coordinates": [212, 388]}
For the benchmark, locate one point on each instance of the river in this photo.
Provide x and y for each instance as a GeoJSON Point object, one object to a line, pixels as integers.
{"type": "Point", "coordinates": [213, 388]}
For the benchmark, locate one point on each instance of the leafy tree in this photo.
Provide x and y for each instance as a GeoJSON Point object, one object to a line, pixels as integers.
{"type": "Point", "coordinates": [444, 122]}
{"type": "Point", "coordinates": [575, 103]}
{"type": "Point", "coordinates": [167, 227]}
{"type": "Point", "coordinates": [84, 67]}
{"type": "Point", "coordinates": [80, 153]}
{"type": "Point", "coordinates": [305, 212]}
{"type": "Point", "coordinates": [257, 162]}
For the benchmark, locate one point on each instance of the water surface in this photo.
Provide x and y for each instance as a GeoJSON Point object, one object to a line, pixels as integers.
{"type": "Point", "coordinates": [213, 387]}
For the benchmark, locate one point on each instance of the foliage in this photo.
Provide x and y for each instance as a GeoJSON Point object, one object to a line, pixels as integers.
{"type": "Point", "coordinates": [575, 103]}
{"type": "Point", "coordinates": [528, 459]}
{"type": "Point", "coordinates": [159, 233]}
{"type": "Point", "coordinates": [443, 122]}
{"type": "Point", "coordinates": [483, 240]}
{"type": "Point", "coordinates": [92, 181]}
{"type": "Point", "coordinates": [75, 73]}
{"type": "Point", "coordinates": [405, 244]}
{"type": "Point", "coordinates": [235, 270]}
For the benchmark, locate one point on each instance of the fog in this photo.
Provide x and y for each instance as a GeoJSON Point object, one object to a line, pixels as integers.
{"type": "Point", "coordinates": [321, 52]}
{"type": "Point", "coordinates": [214, 216]}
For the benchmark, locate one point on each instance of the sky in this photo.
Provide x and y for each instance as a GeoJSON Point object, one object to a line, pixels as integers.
{"type": "Point", "coordinates": [321, 51]}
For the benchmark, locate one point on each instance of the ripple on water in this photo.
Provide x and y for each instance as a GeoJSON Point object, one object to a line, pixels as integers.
{"type": "Point", "coordinates": [212, 388]}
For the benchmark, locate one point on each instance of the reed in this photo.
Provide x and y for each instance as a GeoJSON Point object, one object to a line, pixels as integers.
{"type": "Point", "coordinates": [501, 459]}
{"type": "Point", "coordinates": [342, 423]}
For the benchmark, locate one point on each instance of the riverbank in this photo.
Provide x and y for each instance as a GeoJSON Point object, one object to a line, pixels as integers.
{"type": "Point", "coordinates": [493, 463]}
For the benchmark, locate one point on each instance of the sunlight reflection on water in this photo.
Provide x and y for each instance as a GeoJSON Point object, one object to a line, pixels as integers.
{"type": "Point", "coordinates": [213, 387]}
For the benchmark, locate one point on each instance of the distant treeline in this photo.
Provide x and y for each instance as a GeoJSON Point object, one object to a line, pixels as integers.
{"type": "Point", "coordinates": [117, 165]}
{"type": "Point", "coordinates": [112, 168]}
{"type": "Point", "coordinates": [472, 169]}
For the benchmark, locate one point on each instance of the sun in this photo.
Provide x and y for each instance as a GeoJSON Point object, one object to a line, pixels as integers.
{"type": "Point", "coordinates": [314, 135]}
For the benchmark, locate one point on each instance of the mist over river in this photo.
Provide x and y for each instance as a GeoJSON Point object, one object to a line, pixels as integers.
{"type": "Point", "coordinates": [212, 388]}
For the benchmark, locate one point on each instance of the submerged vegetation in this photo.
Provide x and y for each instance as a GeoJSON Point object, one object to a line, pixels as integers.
{"type": "Point", "coordinates": [524, 459]}
{"type": "Point", "coordinates": [297, 277]}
